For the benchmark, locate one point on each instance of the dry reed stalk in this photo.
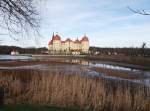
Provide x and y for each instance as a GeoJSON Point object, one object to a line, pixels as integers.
{"type": "Point", "coordinates": [74, 90]}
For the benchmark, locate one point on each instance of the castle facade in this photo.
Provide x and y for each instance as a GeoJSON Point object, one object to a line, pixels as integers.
{"type": "Point", "coordinates": [57, 46]}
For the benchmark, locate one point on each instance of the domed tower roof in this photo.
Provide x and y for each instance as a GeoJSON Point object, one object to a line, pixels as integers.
{"type": "Point", "coordinates": [68, 40]}
{"type": "Point", "coordinates": [77, 41]}
{"type": "Point", "coordinates": [56, 37]}
{"type": "Point", "coordinates": [85, 38]}
{"type": "Point", "coordinates": [62, 41]}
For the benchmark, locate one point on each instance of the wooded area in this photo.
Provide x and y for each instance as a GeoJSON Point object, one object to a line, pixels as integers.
{"type": "Point", "coordinates": [92, 51]}
{"type": "Point", "coordinates": [120, 51]}
{"type": "Point", "coordinates": [8, 49]}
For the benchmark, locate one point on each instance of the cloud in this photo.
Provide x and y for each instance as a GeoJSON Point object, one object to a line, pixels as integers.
{"type": "Point", "coordinates": [102, 20]}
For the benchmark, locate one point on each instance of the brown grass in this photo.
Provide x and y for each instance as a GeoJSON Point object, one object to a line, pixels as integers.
{"type": "Point", "coordinates": [97, 94]}
{"type": "Point", "coordinates": [27, 63]}
{"type": "Point", "coordinates": [117, 73]}
{"type": "Point", "coordinates": [144, 62]}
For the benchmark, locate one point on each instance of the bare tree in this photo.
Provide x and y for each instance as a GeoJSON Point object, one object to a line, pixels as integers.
{"type": "Point", "coordinates": [143, 49]}
{"type": "Point", "coordinates": [141, 12]}
{"type": "Point", "coordinates": [143, 45]}
{"type": "Point", "coordinates": [18, 16]}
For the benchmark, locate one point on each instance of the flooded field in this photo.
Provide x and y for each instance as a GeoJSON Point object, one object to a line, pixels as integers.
{"type": "Point", "coordinates": [120, 71]}
{"type": "Point", "coordinates": [72, 81]}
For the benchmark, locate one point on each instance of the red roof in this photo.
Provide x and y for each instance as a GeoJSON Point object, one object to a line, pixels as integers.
{"type": "Point", "coordinates": [68, 40]}
{"type": "Point", "coordinates": [85, 38]}
{"type": "Point", "coordinates": [77, 41]}
{"type": "Point", "coordinates": [62, 41]}
{"type": "Point", "coordinates": [50, 42]}
{"type": "Point", "coordinates": [56, 37]}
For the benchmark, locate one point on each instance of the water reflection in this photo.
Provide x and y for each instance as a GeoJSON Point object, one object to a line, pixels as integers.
{"type": "Point", "coordinates": [81, 66]}
{"type": "Point", "coordinates": [96, 64]}
{"type": "Point", "coordinates": [11, 58]}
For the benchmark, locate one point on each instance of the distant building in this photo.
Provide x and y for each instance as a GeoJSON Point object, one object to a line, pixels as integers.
{"type": "Point", "coordinates": [14, 52]}
{"type": "Point", "coordinates": [57, 46]}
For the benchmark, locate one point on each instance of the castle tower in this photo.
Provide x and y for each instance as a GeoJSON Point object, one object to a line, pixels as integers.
{"type": "Point", "coordinates": [77, 44]}
{"type": "Point", "coordinates": [56, 43]}
{"type": "Point", "coordinates": [85, 44]}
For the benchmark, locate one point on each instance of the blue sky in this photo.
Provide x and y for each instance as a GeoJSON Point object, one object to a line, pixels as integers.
{"type": "Point", "coordinates": [107, 23]}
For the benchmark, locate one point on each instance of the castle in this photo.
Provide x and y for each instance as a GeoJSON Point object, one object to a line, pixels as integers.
{"type": "Point", "coordinates": [57, 46]}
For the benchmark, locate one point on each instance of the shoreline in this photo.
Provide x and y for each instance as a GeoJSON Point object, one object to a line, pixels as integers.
{"type": "Point", "coordinates": [123, 61]}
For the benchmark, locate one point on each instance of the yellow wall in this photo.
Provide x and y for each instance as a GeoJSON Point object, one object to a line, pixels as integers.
{"type": "Point", "coordinates": [85, 46]}
{"type": "Point", "coordinates": [58, 46]}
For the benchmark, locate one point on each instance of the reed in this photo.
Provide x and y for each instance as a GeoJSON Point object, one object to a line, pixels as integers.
{"type": "Point", "coordinates": [73, 90]}
{"type": "Point", "coordinates": [117, 73]}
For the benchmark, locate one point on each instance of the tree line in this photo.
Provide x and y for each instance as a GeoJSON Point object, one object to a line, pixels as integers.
{"type": "Point", "coordinates": [31, 50]}
{"type": "Point", "coordinates": [92, 51]}
{"type": "Point", "coordinates": [120, 51]}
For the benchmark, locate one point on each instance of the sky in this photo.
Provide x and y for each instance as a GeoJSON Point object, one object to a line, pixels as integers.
{"type": "Point", "coordinates": [107, 23]}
